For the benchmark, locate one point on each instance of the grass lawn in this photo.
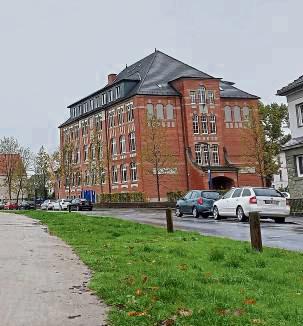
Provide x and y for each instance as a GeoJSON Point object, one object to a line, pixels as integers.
{"type": "Point", "coordinates": [150, 277]}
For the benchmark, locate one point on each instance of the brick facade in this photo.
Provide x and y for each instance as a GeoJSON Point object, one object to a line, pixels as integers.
{"type": "Point", "coordinates": [228, 168]}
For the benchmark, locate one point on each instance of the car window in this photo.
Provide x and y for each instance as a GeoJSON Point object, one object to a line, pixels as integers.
{"type": "Point", "coordinates": [188, 195]}
{"type": "Point", "coordinates": [211, 195]}
{"type": "Point", "coordinates": [246, 193]}
{"type": "Point", "coordinates": [228, 194]}
{"type": "Point", "coordinates": [267, 192]}
{"type": "Point", "coordinates": [195, 195]}
{"type": "Point", "coordinates": [236, 193]}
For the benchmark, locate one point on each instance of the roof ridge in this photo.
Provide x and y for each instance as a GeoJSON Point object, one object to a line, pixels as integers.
{"type": "Point", "coordinates": [186, 64]}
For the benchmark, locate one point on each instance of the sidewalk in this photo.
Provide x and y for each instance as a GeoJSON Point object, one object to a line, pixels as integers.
{"type": "Point", "coordinates": [42, 282]}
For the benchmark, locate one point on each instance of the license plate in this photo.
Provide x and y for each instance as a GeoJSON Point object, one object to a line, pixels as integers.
{"type": "Point", "coordinates": [271, 202]}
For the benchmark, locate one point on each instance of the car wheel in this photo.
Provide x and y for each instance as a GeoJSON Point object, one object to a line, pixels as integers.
{"type": "Point", "coordinates": [216, 213]}
{"type": "Point", "coordinates": [240, 214]}
{"type": "Point", "coordinates": [205, 215]}
{"type": "Point", "coordinates": [279, 220]}
{"type": "Point", "coordinates": [196, 214]}
{"type": "Point", "coordinates": [178, 212]}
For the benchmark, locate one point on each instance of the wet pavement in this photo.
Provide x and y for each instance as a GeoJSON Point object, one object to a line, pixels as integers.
{"type": "Point", "coordinates": [287, 236]}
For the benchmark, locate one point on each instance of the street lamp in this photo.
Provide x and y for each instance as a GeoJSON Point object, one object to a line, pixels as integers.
{"type": "Point", "coordinates": [210, 184]}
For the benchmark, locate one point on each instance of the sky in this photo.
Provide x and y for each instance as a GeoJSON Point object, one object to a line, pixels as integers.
{"type": "Point", "coordinates": [53, 52]}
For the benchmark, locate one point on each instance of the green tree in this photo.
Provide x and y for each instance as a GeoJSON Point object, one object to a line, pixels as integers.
{"type": "Point", "coordinates": [42, 172]}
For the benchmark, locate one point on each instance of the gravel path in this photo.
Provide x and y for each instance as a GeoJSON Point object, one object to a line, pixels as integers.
{"type": "Point", "coordinates": [42, 282]}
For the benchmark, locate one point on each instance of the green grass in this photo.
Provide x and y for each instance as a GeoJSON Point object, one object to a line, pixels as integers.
{"type": "Point", "coordinates": [182, 278]}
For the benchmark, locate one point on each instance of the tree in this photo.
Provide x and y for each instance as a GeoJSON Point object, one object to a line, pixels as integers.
{"type": "Point", "coordinates": [42, 172]}
{"type": "Point", "coordinates": [265, 135]}
{"type": "Point", "coordinates": [157, 159]}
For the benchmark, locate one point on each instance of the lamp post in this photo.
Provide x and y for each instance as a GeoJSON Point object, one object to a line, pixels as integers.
{"type": "Point", "coordinates": [210, 185]}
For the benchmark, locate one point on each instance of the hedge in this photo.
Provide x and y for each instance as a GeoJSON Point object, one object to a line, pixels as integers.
{"type": "Point", "coordinates": [124, 197]}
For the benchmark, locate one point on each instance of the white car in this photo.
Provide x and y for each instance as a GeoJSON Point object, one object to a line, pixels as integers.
{"type": "Point", "coordinates": [47, 205]}
{"type": "Point", "coordinates": [61, 204]}
{"type": "Point", "coordinates": [239, 202]}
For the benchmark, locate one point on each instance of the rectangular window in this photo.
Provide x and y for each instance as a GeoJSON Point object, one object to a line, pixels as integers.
{"type": "Point", "coordinates": [215, 155]}
{"type": "Point", "coordinates": [130, 112]}
{"type": "Point", "coordinates": [202, 95]}
{"type": "Point", "coordinates": [300, 114]}
{"type": "Point", "coordinates": [103, 99]}
{"type": "Point", "coordinates": [198, 154]}
{"type": "Point", "coordinates": [299, 160]}
{"type": "Point", "coordinates": [204, 124]}
{"type": "Point", "coordinates": [193, 97]}
{"type": "Point", "coordinates": [212, 124]}
{"type": "Point", "coordinates": [195, 124]}
{"type": "Point", "coordinates": [117, 92]}
{"type": "Point", "coordinates": [205, 155]}
{"type": "Point", "coordinates": [211, 97]}
{"type": "Point", "coordinates": [132, 142]}
{"type": "Point", "coordinates": [111, 119]}
{"type": "Point", "coordinates": [110, 96]}
{"type": "Point", "coordinates": [115, 174]}
{"type": "Point", "coordinates": [91, 104]}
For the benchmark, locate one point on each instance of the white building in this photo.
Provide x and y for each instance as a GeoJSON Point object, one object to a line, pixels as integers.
{"type": "Point", "coordinates": [280, 180]}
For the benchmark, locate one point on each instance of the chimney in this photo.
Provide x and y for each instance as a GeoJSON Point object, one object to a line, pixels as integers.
{"type": "Point", "coordinates": [111, 78]}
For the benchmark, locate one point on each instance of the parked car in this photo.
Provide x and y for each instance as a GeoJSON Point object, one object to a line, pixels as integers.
{"type": "Point", "coordinates": [27, 205]}
{"type": "Point", "coordinates": [197, 202]}
{"type": "Point", "coordinates": [286, 194]}
{"type": "Point", "coordinates": [10, 205]}
{"type": "Point", "coordinates": [61, 204]}
{"type": "Point", "coordinates": [239, 202]}
{"type": "Point", "coordinates": [1, 204]}
{"type": "Point", "coordinates": [47, 205]}
{"type": "Point", "coordinates": [80, 205]}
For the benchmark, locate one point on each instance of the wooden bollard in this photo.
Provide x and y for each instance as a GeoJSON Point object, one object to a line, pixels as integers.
{"type": "Point", "coordinates": [255, 231]}
{"type": "Point", "coordinates": [169, 220]}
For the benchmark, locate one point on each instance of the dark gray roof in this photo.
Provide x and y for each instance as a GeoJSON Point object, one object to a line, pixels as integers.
{"type": "Point", "coordinates": [294, 142]}
{"type": "Point", "coordinates": [229, 91]}
{"type": "Point", "coordinates": [297, 83]}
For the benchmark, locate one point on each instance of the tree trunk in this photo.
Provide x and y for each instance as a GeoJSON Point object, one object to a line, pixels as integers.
{"type": "Point", "coordinates": [158, 185]}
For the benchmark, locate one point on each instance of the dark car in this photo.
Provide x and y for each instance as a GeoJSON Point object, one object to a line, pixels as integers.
{"type": "Point", "coordinates": [1, 204]}
{"type": "Point", "coordinates": [80, 205]}
{"type": "Point", "coordinates": [27, 205]}
{"type": "Point", "coordinates": [197, 202]}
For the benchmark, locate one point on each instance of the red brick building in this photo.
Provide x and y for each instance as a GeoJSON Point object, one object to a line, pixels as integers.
{"type": "Point", "coordinates": [204, 119]}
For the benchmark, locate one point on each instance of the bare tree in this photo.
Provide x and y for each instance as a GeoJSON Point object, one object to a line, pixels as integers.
{"type": "Point", "coordinates": [157, 158]}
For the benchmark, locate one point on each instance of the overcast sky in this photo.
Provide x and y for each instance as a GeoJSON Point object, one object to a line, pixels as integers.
{"type": "Point", "coordinates": [54, 52]}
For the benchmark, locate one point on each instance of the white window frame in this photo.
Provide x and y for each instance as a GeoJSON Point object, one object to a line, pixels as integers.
{"type": "Point", "coordinates": [215, 154]}
{"type": "Point", "coordinates": [122, 142]}
{"type": "Point", "coordinates": [113, 146]}
{"type": "Point", "coordinates": [211, 97]}
{"type": "Point", "coordinates": [299, 111]}
{"type": "Point", "coordinates": [130, 112]}
{"type": "Point", "coordinates": [212, 124]}
{"type": "Point", "coordinates": [133, 172]}
{"type": "Point", "coordinates": [118, 92]}
{"type": "Point", "coordinates": [115, 174]}
{"type": "Point", "coordinates": [205, 154]}
{"type": "Point", "coordinates": [204, 124]}
{"type": "Point", "coordinates": [195, 124]}
{"type": "Point", "coordinates": [198, 154]}
{"type": "Point", "coordinates": [110, 95]}
{"type": "Point", "coordinates": [298, 159]}
{"type": "Point", "coordinates": [192, 95]}
{"type": "Point", "coordinates": [202, 95]}
{"type": "Point", "coordinates": [132, 142]}
{"type": "Point", "coordinates": [123, 173]}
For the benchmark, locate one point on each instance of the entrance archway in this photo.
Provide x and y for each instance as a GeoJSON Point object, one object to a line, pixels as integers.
{"type": "Point", "coordinates": [222, 183]}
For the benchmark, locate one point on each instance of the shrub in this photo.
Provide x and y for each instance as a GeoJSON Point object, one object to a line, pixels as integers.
{"type": "Point", "coordinates": [173, 196]}
{"type": "Point", "coordinates": [124, 197]}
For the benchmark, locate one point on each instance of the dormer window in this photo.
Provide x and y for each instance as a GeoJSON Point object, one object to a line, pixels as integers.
{"type": "Point", "coordinates": [103, 99]}
{"type": "Point", "coordinates": [117, 92]}
{"type": "Point", "coordinates": [110, 95]}
{"type": "Point", "coordinates": [91, 104]}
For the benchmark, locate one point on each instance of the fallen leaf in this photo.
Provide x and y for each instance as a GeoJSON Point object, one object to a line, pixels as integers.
{"type": "Point", "coordinates": [249, 301]}
{"type": "Point", "coordinates": [136, 313]}
{"type": "Point", "coordinates": [155, 299]}
{"type": "Point", "coordinates": [139, 292]}
{"type": "Point", "coordinates": [239, 312]}
{"type": "Point", "coordinates": [184, 312]}
{"type": "Point", "coordinates": [258, 322]}
{"type": "Point", "coordinates": [145, 278]}
{"type": "Point", "coordinates": [153, 288]}
{"type": "Point", "coordinates": [223, 312]}
{"type": "Point", "coordinates": [183, 267]}
{"type": "Point", "coordinates": [167, 322]}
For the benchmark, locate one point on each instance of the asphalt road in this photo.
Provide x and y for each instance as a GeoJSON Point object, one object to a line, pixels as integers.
{"type": "Point", "coordinates": [42, 282]}
{"type": "Point", "coordinates": [286, 236]}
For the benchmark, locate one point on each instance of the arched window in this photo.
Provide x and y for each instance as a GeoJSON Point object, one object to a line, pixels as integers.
{"type": "Point", "coordinates": [202, 95]}
{"type": "Point", "coordinates": [169, 112]}
{"type": "Point", "coordinates": [204, 125]}
{"type": "Point", "coordinates": [237, 114]}
{"type": "Point", "coordinates": [133, 171]}
{"type": "Point", "coordinates": [150, 110]}
{"type": "Point", "coordinates": [227, 113]}
{"type": "Point", "coordinates": [130, 112]}
{"type": "Point", "coordinates": [159, 110]}
{"type": "Point", "coordinates": [195, 124]}
{"type": "Point", "coordinates": [212, 124]}
{"type": "Point", "coordinates": [246, 113]}
{"type": "Point", "coordinates": [122, 142]}
{"type": "Point", "coordinates": [123, 173]}
{"type": "Point", "coordinates": [132, 142]}
{"type": "Point", "coordinates": [113, 146]}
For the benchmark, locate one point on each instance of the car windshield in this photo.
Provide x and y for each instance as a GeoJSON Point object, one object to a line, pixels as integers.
{"type": "Point", "coordinates": [211, 195]}
{"type": "Point", "coordinates": [267, 192]}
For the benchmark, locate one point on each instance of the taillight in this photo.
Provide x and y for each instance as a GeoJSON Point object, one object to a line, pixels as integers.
{"type": "Point", "coordinates": [253, 200]}
{"type": "Point", "coordinates": [200, 201]}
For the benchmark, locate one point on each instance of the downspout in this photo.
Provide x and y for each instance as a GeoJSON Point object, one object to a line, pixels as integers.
{"type": "Point", "coordinates": [107, 154]}
{"type": "Point", "coordinates": [185, 140]}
